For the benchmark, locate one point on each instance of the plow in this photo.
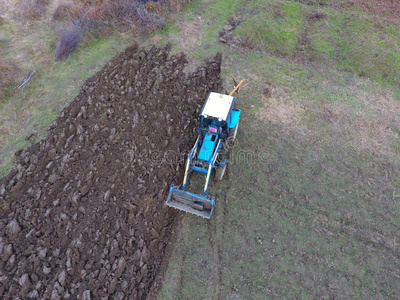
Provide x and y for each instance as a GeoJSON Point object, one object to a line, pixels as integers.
{"type": "Point", "coordinates": [218, 122]}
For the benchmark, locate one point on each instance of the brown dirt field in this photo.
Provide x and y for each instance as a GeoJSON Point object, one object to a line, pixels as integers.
{"type": "Point", "coordinates": [388, 9]}
{"type": "Point", "coordinates": [82, 213]}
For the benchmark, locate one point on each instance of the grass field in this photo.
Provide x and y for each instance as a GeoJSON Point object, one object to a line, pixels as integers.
{"type": "Point", "coordinates": [32, 109]}
{"type": "Point", "coordinates": [310, 205]}
{"type": "Point", "coordinates": [310, 208]}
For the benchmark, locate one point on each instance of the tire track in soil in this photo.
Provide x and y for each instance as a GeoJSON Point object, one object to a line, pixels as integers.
{"type": "Point", "coordinates": [182, 276]}
{"type": "Point", "coordinates": [81, 219]}
{"type": "Point", "coordinates": [216, 246]}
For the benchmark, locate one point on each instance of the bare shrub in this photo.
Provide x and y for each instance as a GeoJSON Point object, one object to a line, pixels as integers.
{"type": "Point", "coordinates": [148, 20]}
{"type": "Point", "coordinates": [132, 14]}
{"type": "Point", "coordinates": [68, 39]}
{"type": "Point", "coordinates": [177, 5]}
{"type": "Point", "coordinates": [121, 11]}
{"type": "Point", "coordinates": [68, 12]}
{"type": "Point", "coordinates": [32, 9]}
{"type": "Point", "coordinates": [158, 7]}
{"type": "Point", "coordinates": [105, 16]}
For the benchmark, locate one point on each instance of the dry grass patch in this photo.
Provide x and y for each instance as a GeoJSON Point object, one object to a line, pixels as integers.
{"type": "Point", "coordinates": [386, 9]}
{"type": "Point", "coordinates": [8, 72]}
{"type": "Point", "coordinates": [192, 34]}
{"type": "Point", "coordinates": [279, 108]}
{"type": "Point", "coordinates": [361, 131]}
{"type": "Point", "coordinates": [372, 126]}
{"type": "Point", "coordinates": [382, 104]}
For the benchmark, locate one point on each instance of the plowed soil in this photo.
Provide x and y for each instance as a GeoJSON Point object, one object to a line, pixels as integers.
{"type": "Point", "coordinates": [83, 213]}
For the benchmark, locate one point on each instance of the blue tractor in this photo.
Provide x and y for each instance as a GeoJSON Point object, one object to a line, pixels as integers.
{"type": "Point", "coordinates": [218, 121]}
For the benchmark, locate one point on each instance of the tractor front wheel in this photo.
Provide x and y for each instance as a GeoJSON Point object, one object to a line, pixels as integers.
{"type": "Point", "coordinates": [219, 174]}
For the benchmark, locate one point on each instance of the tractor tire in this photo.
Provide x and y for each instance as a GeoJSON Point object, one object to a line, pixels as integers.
{"type": "Point", "coordinates": [219, 174]}
{"type": "Point", "coordinates": [233, 132]}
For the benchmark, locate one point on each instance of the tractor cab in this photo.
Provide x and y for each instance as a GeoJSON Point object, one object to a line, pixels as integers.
{"type": "Point", "coordinates": [215, 114]}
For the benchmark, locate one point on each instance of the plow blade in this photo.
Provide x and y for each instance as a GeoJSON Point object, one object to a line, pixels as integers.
{"type": "Point", "coordinates": [189, 202]}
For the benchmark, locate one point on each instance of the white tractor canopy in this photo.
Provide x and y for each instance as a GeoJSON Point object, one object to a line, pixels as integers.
{"type": "Point", "coordinates": [218, 106]}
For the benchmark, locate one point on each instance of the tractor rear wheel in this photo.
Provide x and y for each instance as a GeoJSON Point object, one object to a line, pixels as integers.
{"type": "Point", "coordinates": [233, 131]}
{"type": "Point", "coordinates": [219, 174]}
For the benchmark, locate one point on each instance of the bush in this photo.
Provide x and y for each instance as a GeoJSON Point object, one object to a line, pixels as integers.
{"type": "Point", "coordinates": [129, 14]}
{"type": "Point", "coordinates": [105, 16]}
{"type": "Point", "coordinates": [177, 5]}
{"type": "Point", "coordinates": [148, 20]}
{"type": "Point", "coordinates": [68, 39]}
{"type": "Point", "coordinates": [32, 9]}
{"type": "Point", "coordinates": [68, 12]}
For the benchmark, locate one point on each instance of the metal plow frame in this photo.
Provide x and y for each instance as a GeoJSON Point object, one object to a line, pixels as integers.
{"type": "Point", "coordinates": [189, 202]}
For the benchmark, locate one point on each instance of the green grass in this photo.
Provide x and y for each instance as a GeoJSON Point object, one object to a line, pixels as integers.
{"type": "Point", "coordinates": [352, 41]}
{"type": "Point", "coordinates": [309, 208]}
{"type": "Point", "coordinates": [219, 13]}
{"type": "Point", "coordinates": [34, 108]}
{"type": "Point", "coordinates": [315, 217]}
{"type": "Point", "coordinates": [276, 27]}
{"type": "Point", "coordinates": [278, 229]}
{"type": "Point", "coordinates": [358, 45]}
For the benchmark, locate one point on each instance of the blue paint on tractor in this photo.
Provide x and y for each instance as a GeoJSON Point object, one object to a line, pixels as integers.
{"type": "Point", "coordinates": [208, 146]}
{"type": "Point", "coordinates": [234, 118]}
{"type": "Point", "coordinates": [197, 169]}
{"type": "Point", "coordinates": [223, 162]}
